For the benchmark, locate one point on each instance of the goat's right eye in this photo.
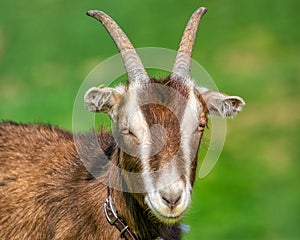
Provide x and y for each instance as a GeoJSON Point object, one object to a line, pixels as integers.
{"type": "Point", "coordinates": [125, 131]}
{"type": "Point", "coordinates": [129, 133]}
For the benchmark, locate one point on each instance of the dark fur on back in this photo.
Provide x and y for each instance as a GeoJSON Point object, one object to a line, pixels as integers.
{"type": "Point", "coordinates": [46, 191]}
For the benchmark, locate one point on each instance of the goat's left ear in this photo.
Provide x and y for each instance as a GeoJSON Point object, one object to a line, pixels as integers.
{"type": "Point", "coordinates": [220, 104]}
{"type": "Point", "coordinates": [103, 100]}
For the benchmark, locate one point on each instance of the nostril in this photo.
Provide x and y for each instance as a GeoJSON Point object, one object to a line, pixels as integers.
{"type": "Point", "coordinates": [171, 199]}
{"type": "Point", "coordinates": [171, 202]}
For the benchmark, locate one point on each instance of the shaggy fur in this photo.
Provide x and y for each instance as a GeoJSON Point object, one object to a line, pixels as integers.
{"type": "Point", "coordinates": [47, 193]}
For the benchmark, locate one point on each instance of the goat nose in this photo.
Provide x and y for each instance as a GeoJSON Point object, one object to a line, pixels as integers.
{"type": "Point", "coordinates": [171, 198]}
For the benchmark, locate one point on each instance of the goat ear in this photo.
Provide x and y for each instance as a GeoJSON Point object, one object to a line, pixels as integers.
{"type": "Point", "coordinates": [103, 100]}
{"type": "Point", "coordinates": [222, 105]}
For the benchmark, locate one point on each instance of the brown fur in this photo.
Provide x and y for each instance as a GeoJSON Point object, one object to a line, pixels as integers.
{"type": "Point", "coordinates": [47, 193]}
{"type": "Point", "coordinates": [170, 119]}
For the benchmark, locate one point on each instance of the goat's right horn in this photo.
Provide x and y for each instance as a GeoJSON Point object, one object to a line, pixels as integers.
{"type": "Point", "coordinates": [132, 62]}
{"type": "Point", "coordinates": [182, 65]}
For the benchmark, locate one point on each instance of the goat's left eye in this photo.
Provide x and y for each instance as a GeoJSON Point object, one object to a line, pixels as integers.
{"type": "Point", "coordinates": [200, 128]}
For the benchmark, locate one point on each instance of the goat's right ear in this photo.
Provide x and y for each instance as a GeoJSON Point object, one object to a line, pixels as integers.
{"type": "Point", "coordinates": [103, 100]}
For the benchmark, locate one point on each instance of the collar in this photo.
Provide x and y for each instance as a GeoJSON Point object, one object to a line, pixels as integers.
{"type": "Point", "coordinates": [112, 217]}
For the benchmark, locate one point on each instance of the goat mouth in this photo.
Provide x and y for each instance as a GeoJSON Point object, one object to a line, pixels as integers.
{"type": "Point", "coordinates": [169, 218]}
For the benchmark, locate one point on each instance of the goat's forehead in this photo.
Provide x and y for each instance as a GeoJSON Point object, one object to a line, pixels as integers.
{"type": "Point", "coordinates": [165, 104]}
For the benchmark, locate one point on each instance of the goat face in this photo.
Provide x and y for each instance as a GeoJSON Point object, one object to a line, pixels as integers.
{"type": "Point", "coordinates": [158, 124]}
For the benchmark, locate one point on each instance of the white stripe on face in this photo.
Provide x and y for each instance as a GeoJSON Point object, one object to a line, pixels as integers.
{"type": "Point", "coordinates": [188, 125]}
{"type": "Point", "coordinates": [137, 123]}
{"type": "Point", "coordinates": [171, 179]}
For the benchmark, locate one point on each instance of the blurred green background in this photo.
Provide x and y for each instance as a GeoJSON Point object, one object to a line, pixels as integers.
{"type": "Point", "coordinates": [251, 49]}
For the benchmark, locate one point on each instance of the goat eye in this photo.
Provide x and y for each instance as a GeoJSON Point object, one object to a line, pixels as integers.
{"type": "Point", "coordinates": [129, 133]}
{"type": "Point", "coordinates": [200, 128]}
{"type": "Point", "coordinates": [125, 131]}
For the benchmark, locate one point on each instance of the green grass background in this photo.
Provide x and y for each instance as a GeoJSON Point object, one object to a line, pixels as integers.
{"type": "Point", "coordinates": [251, 49]}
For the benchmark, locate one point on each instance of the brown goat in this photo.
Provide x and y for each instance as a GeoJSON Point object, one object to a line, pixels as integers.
{"type": "Point", "coordinates": [47, 193]}
{"type": "Point", "coordinates": [54, 185]}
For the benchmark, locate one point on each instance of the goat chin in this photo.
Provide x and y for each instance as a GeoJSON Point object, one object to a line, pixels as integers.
{"type": "Point", "coordinates": [164, 213]}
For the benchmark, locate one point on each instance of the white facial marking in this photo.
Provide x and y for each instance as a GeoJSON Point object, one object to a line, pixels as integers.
{"type": "Point", "coordinates": [187, 127]}
{"type": "Point", "coordinates": [137, 124]}
{"type": "Point", "coordinates": [162, 210]}
{"type": "Point", "coordinates": [170, 183]}
{"type": "Point", "coordinates": [168, 193]}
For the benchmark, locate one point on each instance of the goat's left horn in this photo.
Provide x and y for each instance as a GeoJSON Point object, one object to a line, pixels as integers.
{"type": "Point", "coordinates": [132, 62]}
{"type": "Point", "coordinates": [182, 65]}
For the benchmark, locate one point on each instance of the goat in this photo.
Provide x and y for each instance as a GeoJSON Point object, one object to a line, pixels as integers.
{"type": "Point", "coordinates": [47, 190]}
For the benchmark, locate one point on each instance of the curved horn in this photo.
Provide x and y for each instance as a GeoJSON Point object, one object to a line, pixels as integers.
{"type": "Point", "coordinates": [132, 62]}
{"type": "Point", "coordinates": [182, 65]}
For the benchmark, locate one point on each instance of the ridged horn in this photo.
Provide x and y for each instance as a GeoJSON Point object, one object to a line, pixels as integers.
{"type": "Point", "coordinates": [182, 65]}
{"type": "Point", "coordinates": [132, 62]}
